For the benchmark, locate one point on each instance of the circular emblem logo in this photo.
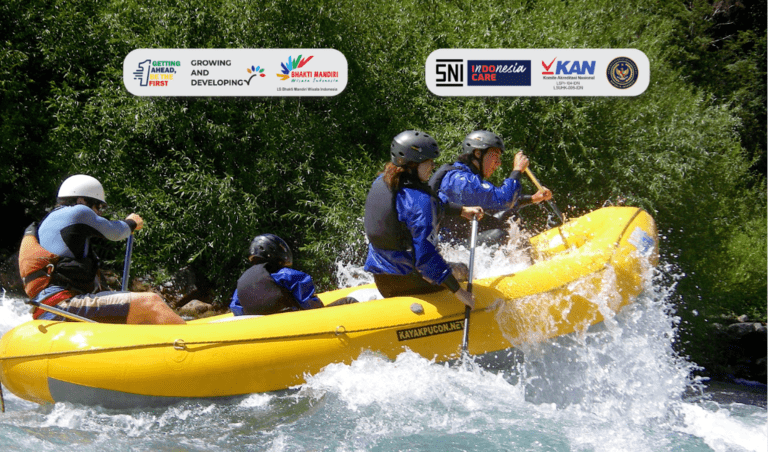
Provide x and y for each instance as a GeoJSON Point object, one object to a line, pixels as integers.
{"type": "Point", "coordinates": [622, 72]}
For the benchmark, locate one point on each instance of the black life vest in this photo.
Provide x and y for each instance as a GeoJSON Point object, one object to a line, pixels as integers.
{"type": "Point", "coordinates": [437, 178]}
{"type": "Point", "coordinates": [382, 227]}
{"type": "Point", "coordinates": [259, 294]}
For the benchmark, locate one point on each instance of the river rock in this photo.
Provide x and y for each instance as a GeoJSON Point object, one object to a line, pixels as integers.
{"type": "Point", "coordinates": [185, 286]}
{"type": "Point", "coordinates": [194, 308]}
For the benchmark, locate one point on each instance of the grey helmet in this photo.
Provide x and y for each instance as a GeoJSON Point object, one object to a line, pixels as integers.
{"type": "Point", "coordinates": [413, 146]}
{"type": "Point", "coordinates": [271, 249]}
{"type": "Point", "coordinates": [482, 139]}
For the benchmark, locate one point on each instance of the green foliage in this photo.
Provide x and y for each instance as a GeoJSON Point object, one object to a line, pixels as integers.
{"type": "Point", "coordinates": [722, 45]}
{"type": "Point", "coordinates": [208, 174]}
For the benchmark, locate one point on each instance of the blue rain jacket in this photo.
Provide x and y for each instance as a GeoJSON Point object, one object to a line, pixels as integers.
{"type": "Point", "coordinates": [463, 186]}
{"type": "Point", "coordinates": [421, 213]}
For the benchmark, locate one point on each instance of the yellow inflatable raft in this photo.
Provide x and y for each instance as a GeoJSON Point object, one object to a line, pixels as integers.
{"type": "Point", "coordinates": [609, 251]}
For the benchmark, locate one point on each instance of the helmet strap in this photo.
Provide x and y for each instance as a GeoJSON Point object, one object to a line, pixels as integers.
{"type": "Point", "coordinates": [479, 161]}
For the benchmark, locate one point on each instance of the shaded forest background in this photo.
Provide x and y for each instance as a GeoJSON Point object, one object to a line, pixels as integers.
{"type": "Point", "coordinates": [207, 174]}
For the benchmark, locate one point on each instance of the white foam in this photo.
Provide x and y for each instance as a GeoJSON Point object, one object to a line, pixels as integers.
{"type": "Point", "coordinates": [13, 312]}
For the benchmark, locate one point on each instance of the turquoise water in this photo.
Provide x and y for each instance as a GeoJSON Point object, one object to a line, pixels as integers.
{"type": "Point", "coordinates": [616, 387]}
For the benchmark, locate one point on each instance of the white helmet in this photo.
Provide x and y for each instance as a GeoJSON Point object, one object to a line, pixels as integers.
{"type": "Point", "coordinates": [82, 185]}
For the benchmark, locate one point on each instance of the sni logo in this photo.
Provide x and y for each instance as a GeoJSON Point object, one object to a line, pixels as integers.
{"type": "Point", "coordinates": [449, 72]}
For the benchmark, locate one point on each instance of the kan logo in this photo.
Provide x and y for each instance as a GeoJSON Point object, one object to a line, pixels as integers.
{"type": "Point", "coordinates": [567, 67]}
{"type": "Point", "coordinates": [547, 67]}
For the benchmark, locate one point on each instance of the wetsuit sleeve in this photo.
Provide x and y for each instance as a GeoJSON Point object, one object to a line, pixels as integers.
{"type": "Point", "coordinates": [468, 189]}
{"type": "Point", "coordinates": [414, 208]}
{"type": "Point", "coordinates": [108, 229]}
{"type": "Point", "coordinates": [300, 285]}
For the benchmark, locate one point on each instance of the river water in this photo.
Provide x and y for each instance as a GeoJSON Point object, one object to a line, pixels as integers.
{"type": "Point", "coordinates": [617, 387]}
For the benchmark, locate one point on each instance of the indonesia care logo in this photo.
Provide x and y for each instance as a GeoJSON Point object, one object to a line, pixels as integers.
{"type": "Point", "coordinates": [622, 72]}
{"type": "Point", "coordinates": [499, 73]}
{"type": "Point", "coordinates": [294, 71]}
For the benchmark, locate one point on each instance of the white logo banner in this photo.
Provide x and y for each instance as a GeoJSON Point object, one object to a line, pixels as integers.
{"type": "Point", "coordinates": [235, 72]}
{"type": "Point", "coordinates": [537, 72]}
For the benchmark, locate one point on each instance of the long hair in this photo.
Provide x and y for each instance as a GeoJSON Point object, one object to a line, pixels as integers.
{"type": "Point", "coordinates": [393, 174]}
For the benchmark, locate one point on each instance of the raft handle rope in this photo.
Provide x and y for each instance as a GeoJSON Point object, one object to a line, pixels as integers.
{"type": "Point", "coordinates": [180, 344]}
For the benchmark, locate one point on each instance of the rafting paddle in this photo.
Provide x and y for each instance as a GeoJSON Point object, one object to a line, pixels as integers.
{"type": "Point", "coordinates": [57, 311]}
{"type": "Point", "coordinates": [467, 310]}
{"type": "Point", "coordinates": [551, 203]}
{"type": "Point", "coordinates": [127, 262]}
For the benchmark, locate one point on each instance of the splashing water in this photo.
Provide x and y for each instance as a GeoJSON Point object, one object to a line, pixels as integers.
{"type": "Point", "coordinates": [618, 385]}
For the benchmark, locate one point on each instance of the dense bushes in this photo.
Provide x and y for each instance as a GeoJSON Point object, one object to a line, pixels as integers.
{"type": "Point", "coordinates": [208, 174]}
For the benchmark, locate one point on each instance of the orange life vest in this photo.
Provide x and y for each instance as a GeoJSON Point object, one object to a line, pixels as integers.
{"type": "Point", "coordinates": [36, 264]}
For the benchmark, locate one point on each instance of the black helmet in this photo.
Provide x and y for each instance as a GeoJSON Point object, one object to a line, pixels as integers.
{"type": "Point", "coordinates": [482, 139]}
{"type": "Point", "coordinates": [413, 146]}
{"type": "Point", "coordinates": [271, 249]}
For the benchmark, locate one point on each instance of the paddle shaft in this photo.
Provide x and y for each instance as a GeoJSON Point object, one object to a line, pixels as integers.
{"type": "Point", "coordinates": [550, 202]}
{"type": "Point", "coordinates": [127, 262]}
{"type": "Point", "coordinates": [57, 311]}
{"type": "Point", "coordinates": [468, 310]}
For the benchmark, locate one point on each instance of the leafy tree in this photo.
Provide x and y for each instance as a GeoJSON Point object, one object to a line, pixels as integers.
{"type": "Point", "coordinates": [208, 174]}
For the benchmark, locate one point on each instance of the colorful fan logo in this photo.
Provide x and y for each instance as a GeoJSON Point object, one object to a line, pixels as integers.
{"type": "Point", "coordinates": [258, 70]}
{"type": "Point", "coordinates": [296, 63]}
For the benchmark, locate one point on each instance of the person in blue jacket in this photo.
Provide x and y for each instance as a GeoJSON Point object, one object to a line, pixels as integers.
{"type": "Point", "coordinates": [402, 215]}
{"type": "Point", "coordinates": [270, 286]}
{"type": "Point", "coordinates": [464, 182]}
{"type": "Point", "coordinates": [74, 287]}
